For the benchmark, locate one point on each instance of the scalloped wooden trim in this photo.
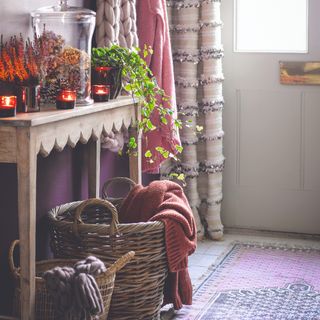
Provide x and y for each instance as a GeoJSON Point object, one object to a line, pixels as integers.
{"type": "Point", "coordinates": [69, 132]}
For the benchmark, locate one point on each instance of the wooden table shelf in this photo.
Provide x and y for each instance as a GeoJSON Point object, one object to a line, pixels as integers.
{"type": "Point", "coordinates": [25, 136]}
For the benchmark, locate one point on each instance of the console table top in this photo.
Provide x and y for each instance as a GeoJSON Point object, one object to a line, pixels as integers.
{"type": "Point", "coordinates": [49, 115]}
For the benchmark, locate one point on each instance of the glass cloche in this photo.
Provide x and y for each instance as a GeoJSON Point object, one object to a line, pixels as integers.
{"type": "Point", "coordinates": [67, 31]}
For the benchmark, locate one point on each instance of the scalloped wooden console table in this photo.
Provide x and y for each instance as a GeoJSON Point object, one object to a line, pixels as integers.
{"type": "Point", "coordinates": [26, 135]}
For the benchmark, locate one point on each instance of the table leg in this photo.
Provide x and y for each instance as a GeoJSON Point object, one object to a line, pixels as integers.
{"type": "Point", "coordinates": [27, 175]}
{"type": "Point", "coordinates": [135, 158]}
{"type": "Point", "coordinates": [94, 150]}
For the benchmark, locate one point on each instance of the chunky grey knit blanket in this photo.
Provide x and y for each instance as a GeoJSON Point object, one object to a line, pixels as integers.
{"type": "Point", "coordinates": [74, 290]}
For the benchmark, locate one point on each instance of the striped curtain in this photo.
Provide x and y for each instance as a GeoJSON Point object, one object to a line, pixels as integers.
{"type": "Point", "coordinates": [195, 27]}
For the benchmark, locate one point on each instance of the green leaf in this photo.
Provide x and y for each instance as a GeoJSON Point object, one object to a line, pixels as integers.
{"type": "Point", "coordinates": [150, 125]}
{"type": "Point", "coordinates": [173, 175]}
{"type": "Point", "coordinates": [132, 143]}
{"type": "Point", "coordinates": [166, 154]}
{"type": "Point", "coordinates": [178, 123]}
{"type": "Point", "coordinates": [148, 154]}
{"type": "Point", "coordinates": [179, 148]}
{"type": "Point", "coordinates": [164, 120]}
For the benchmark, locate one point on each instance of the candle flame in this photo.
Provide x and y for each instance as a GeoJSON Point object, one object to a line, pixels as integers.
{"type": "Point", "coordinates": [6, 101]}
{"type": "Point", "coordinates": [100, 89]}
{"type": "Point", "coordinates": [67, 95]}
{"type": "Point", "coordinates": [9, 102]}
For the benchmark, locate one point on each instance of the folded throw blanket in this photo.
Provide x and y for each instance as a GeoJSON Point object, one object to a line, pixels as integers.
{"type": "Point", "coordinates": [74, 290]}
{"type": "Point", "coordinates": [165, 201]}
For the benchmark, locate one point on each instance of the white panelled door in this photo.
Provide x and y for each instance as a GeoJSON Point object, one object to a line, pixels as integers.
{"type": "Point", "coordinates": [272, 141]}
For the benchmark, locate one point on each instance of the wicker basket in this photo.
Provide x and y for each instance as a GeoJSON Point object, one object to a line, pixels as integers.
{"type": "Point", "coordinates": [80, 228]}
{"type": "Point", "coordinates": [44, 302]}
{"type": "Point", "coordinates": [124, 182]}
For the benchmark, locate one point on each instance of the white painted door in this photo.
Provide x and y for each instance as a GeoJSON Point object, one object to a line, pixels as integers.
{"type": "Point", "coordinates": [272, 141]}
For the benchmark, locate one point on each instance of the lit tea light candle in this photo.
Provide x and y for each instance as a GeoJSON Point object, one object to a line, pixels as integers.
{"type": "Point", "coordinates": [8, 106]}
{"type": "Point", "coordinates": [66, 99]}
{"type": "Point", "coordinates": [100, 92]}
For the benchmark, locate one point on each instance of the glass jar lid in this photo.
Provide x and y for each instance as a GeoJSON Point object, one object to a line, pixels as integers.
{"type": "Point", "coordinates": [63, 10]}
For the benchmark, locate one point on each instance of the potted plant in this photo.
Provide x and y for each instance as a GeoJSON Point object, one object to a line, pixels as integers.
{"type": "Point", "coordinates": [137, 79]}
{"type": "Point", "coordinates": [111, 64]}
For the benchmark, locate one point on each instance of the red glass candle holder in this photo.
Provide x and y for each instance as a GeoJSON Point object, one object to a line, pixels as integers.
{"type": "Point", "coordinates": [66, 99]}
{"type": "Point", "coordinates": [100, 93]}
{"type": "Point", "coordinates": [8, 106]}
{"type": "Point", "coordinates": [101, 75]}
{"type": "Point", "coordinates": [28, 98]}
{"type": "Point", "coordinates": [111, 76]}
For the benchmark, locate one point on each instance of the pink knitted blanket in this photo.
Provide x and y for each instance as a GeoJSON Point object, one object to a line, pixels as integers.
{"type": "Point", "coordinates": [153, 30]}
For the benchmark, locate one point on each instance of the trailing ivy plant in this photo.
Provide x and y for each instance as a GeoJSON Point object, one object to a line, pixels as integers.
{"type": "Point", "coordinates": [138, 80]}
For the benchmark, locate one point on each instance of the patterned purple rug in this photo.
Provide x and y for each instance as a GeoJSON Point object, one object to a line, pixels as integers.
{"type": "Point", "coordinates": [260, 282]}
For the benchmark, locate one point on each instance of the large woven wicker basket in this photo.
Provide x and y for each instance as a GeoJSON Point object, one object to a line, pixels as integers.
{"type": "Point", "coordinates": [92, 227]}
{"type": "Point", "coordinates": [44, 303]}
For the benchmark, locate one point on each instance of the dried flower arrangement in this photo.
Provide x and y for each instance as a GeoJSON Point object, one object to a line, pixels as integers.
{"type": "Point", "coordinates": [21, 62]}
{"type": "Point", "coordinates": [66, 68]}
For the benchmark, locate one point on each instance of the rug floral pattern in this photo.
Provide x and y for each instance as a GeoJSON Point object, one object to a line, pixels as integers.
{"type": "Point", "coordinates": [296, 301]}
{"type": "Point", "coordinates": [260, 282]}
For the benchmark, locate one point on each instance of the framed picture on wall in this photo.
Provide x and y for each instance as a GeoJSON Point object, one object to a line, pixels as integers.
{"type": "Point", "coordinates": [300, 72]}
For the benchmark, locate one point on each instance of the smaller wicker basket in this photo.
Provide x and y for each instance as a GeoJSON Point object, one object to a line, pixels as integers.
{"type": "Point", "coordinates": [44, 302]}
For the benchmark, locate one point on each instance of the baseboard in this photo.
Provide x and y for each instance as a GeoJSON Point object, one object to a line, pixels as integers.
{"type": "Point", "coordinates": [278, 234]}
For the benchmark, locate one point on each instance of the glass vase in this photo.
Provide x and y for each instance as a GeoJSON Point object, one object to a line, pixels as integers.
{"type": "Point", "coordinates": [68, 31]}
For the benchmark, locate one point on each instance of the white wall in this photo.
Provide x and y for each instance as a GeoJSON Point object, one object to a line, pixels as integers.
{"type": "Point", "coordinates": [272, 142]}
{"type": "Point", "coordinates": [15, 14]}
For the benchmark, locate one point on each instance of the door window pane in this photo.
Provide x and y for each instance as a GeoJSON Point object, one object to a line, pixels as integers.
{"type": "Point", "coordinates": [271, 26]}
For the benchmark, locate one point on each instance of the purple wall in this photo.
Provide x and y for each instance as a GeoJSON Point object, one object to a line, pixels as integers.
{"type": "Point", "coordinates": [8, 228]}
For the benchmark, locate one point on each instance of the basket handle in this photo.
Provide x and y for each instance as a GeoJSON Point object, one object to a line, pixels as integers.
{"type": "Point", "coordinates": [102, 203]}
{"type": "Point", "coordinates": [111, 181]}
{"type": "Point", "coordinates": [13, 269]}
{"type": "Point", "coordinates": [121, 262]}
